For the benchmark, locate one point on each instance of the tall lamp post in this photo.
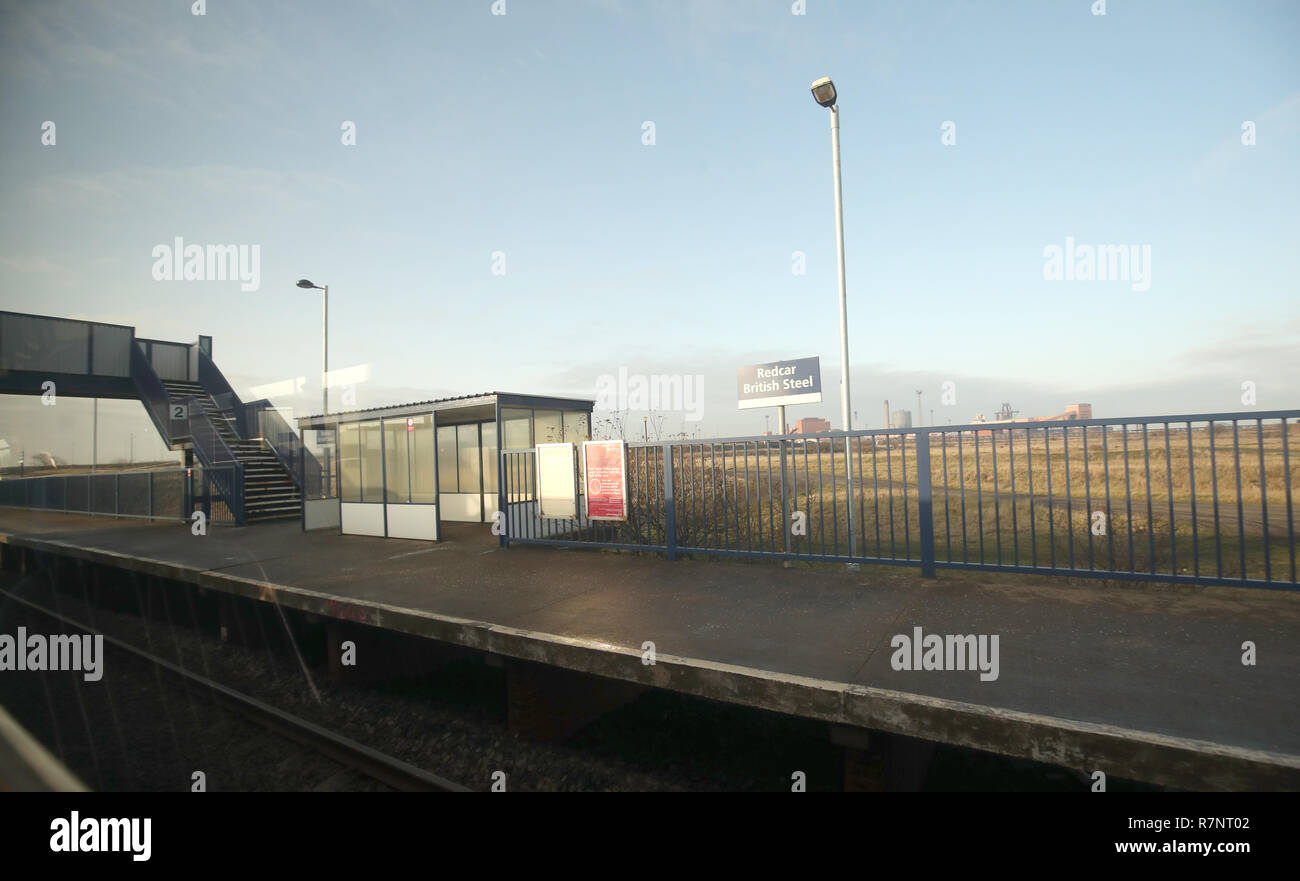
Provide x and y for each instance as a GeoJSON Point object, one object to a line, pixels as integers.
{"type": "Point", "coordinates": [325, 341]}
{"type": "Point", "coordinates": [823, 91]}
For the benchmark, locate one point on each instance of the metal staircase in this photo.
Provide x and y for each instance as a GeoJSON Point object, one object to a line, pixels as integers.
{"type": "Point", "coordinates": [252, 461]}
{"type": "Point", "coordinates": [270, 492]}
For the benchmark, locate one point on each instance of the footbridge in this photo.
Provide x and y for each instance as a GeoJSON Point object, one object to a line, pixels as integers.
{"type": "Point", "coordinates": [251, 461]}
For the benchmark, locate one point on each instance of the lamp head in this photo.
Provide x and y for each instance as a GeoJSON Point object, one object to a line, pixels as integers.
{"type": "Point", "coordinates": [824, 92]}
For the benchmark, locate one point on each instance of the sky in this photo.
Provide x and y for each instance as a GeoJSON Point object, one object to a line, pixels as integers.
{"type": "Point", "coordinates": [537, 199]}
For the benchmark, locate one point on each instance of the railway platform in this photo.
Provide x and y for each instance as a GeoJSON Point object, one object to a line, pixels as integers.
{"type": "Point", "coordinates": [1140, 681]}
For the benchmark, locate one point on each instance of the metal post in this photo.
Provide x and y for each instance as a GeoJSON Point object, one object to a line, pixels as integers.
{"type": "Point", "coordinates": [94, 438]}
{"type": "Point", "coordinates": [780, 418]}
{"type": "Point", "coordinates": [925, 503]}
{"type": "Point", "coordinates": [670, 510]}
{"type": "Point", "coordinates": [325, 349]}
{"type": "Point", "coordinates": [503, 504]}
{"type": "Point", "coordinates": [844, 328]}
{"type": "Point", "coordinates": [785, 496]}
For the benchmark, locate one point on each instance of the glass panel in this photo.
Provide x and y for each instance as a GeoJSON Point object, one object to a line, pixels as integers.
{"type": "Point", "coordinates": [447, 481]}
{"type": "Point", "coordinates": [170, 361]}
{"type": "Point", "coordinates": [397, 487]}
{"type": "Point", "coordinates": [517, 428]}
{"type": "Point", "coordinates": [467, 447]}
{"type": "Point", "coordinates": [490, 464]}
{"type": "Point", "coordinates": [321, 445]}
{"type": "Point", "coordinates": [372, 468]}
{"type": "Point", "coordinates": [349, 463]}
{"type": "Point", "coordinates": [576, 428]}
{"type": "Point", "coordinates": [575, 432]}
{"type": "Point", "coordinates": [547, 428]}
{"type": "Point", "coordinates": [31, 342]}
{"type": "Point", "coordinates": [423, 486]}
{"type": "Point", "coordinates": [112, 353]}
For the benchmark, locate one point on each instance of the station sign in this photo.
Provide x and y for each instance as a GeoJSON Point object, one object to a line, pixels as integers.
{"type": "Point", "coordinates": [779, 383]}
{"type": "Point", "coordinates": [557, 481]}
{"type": "Point", "coordinates": [605, 466]}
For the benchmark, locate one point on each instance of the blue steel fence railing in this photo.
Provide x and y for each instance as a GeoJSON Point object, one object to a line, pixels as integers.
{"type": "Point", "coordinates": [156, 494]}
{"type": "Point", "coordinates": [206, 495]}
{"type": "Point", "coordinates": [222, 468]}
{"type": "Point", "coordinates": [1197, 499]}
{"type": "Point", "coordinates": [215, 384]}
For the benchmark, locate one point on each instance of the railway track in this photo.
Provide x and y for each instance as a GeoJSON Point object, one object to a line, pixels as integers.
{"type": "Point", "coordinates": [358, 757]}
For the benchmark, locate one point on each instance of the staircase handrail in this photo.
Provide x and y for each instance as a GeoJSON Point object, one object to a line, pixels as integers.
{"type": "Point", "coordinates": [219, 389]}
{"type": "Point", "coordinates": [303, 467]}
{"type": "Point", "coordinates": [218, 460]}
{"type": "Point", "coordinates": [153, 394]}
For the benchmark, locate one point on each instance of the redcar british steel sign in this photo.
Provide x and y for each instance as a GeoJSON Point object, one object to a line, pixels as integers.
{"type": "Point", "coordinates": [779, 383]}
{"type": "Point", "coordinates": [605, 466]}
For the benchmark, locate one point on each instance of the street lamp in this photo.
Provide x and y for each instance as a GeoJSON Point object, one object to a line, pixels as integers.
{"type": "Point", "coordinates": [824, 93]}
{"type": "Point", "coordinates": [919, 412]}
{"type": "Point", "coordinates": [325, 340]}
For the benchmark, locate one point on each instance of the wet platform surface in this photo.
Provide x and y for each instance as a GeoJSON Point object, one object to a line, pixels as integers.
{"type": "Point", "coordinates": [1141, 681]}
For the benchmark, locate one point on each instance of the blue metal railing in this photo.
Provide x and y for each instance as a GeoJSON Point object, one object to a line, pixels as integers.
{"type": "Point", "coordinates": [285, 443]}
{"type": "Point", "coordinates": [155, 399]}
{"type": "Point", "coordinates": [1196, 499]}
{"type": "Point", "coordinates": [222, 468]}
{"type": "Point", "coordinates": [220, 464]}
{"type": "Point", "coordinates": [215, 384]}
{"type": "Point", "coordinates": [157, 494]}
{"type": "Point", "coordinates": [260, 419]}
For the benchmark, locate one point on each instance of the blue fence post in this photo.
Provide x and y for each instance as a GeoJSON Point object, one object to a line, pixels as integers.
{"type": "Point", "coordinates": [670, 510]}
{"type": "Point", "coordinates": [925, 503]}
{"type": "Point", "coordinates": [241, 517]}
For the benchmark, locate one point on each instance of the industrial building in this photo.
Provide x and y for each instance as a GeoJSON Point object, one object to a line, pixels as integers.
{"type": "Point", "coordinates": [810, 425]}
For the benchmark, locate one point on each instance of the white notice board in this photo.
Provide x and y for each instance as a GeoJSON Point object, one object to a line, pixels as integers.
{"type": "Point", "coordinates": [557, 481]}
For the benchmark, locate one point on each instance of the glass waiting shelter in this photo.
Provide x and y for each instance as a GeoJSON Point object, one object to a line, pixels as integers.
{"type": "Point", "coordinates": [400, 471]}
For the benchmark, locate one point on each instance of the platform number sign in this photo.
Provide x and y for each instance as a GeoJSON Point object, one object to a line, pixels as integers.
{"type": "Point", "coordinates": [180, 411]}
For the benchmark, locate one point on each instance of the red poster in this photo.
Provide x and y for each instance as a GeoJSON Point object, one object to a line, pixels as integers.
{"type": "Point", "coordinates": [606, 467]}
